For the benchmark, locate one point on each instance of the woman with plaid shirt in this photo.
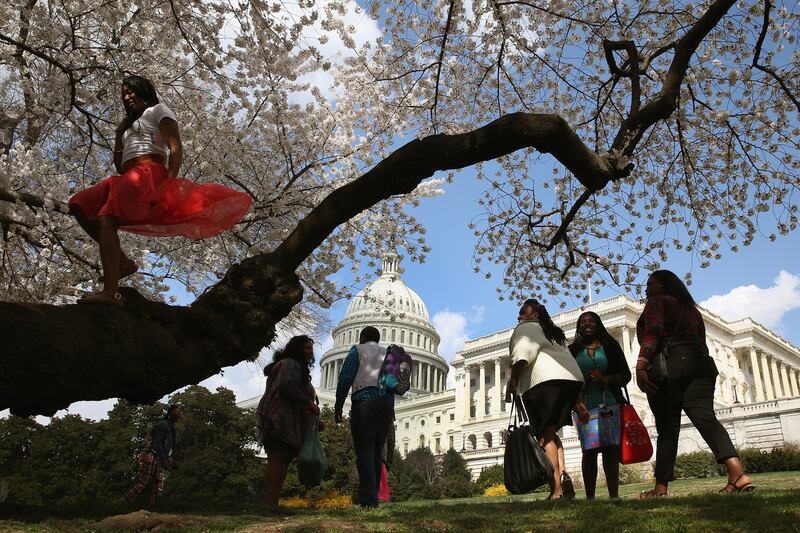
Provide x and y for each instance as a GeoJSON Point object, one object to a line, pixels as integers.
{"type": "Point", "coordinates": [670, 318]}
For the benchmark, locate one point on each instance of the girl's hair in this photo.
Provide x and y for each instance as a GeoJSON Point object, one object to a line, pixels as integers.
{"type": "Point", "coordinates": [674, 286]}
{"type": "Point", "coordinates": [294, 349]}
{"type": "Point", "coordinates": [553, 333]}
{"type": "Point", "coordinates": [602, 333]}
{"type": "Point", "coordinates": [144, 89]}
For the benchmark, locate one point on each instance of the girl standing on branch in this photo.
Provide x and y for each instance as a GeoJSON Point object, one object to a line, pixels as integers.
{"type": "Point", "coordinates": [148, 197]}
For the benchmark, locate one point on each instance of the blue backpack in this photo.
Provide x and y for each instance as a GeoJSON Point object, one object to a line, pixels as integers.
{"type": "Point", "coordinates": [395, 375]}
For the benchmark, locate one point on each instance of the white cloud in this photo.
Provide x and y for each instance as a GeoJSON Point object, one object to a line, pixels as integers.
{"type": "Point", "coordinates": [765, 306]}
{"type": "Point", "coordinates": [454, 331]}
{"type": "Point", "coordinates": [246, 380]}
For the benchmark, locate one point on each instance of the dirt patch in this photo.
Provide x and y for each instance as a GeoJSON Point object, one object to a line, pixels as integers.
{"type": "Point", "coordinates": [142, 519]}
{"type": "Point", "coordinates": [311, 525]}
{"type": "Point", "coordinates": [434, 525]}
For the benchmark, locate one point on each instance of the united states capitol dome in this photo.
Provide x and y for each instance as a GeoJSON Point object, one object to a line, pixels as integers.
{"type": "Point", "coordinates": [388, 296]}
{"type": "Point", "coordinates": [401, 317]}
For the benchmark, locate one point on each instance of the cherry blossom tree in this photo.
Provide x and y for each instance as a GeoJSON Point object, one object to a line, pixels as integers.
{"type": "Point", "coordinates": [668, 126]}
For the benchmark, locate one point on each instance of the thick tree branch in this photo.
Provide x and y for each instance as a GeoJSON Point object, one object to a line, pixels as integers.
{"type": "Point", "coordinates": [52, 356]}
{"type": "Point", "coordinates": [404, 169]}
{"type": "Point", "coordinates": [757, 56]}
{"type": "Point", "coordinates": [666, 102]}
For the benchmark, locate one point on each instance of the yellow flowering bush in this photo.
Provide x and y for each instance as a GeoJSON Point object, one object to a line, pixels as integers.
{"type": "Point", "coordinates": [331, 500]}
{"type": "Point", "coordinates": [496, 490]}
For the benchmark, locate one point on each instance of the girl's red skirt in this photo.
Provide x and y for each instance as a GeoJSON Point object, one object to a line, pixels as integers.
{"type": "Point", "coordinates": [145, 200]}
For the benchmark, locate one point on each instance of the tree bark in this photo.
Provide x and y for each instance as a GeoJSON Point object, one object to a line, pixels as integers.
{"type": "Point", "coordinates": [52, 356]}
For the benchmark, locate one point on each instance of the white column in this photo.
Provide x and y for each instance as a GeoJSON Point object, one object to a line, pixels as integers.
{"type": "Point", "coordinates": [626, 344]}
{"type": "Point", "coordinates": [787, 389]}
{"type": "Point", "coordinates": [481, 410]}
{"type": "Point", "coordinates": [769, 392]}
{"type": "Point", "coordinates": [496, 390]}
{"type": "Point", "coordinates": [468, 395]}
{"type": "Point", "coordinates": [324, 379]}
{"type": "Point", "coordinates": [776, 378]}
{"type": "Point", "coordinates": [795, 386]}
{"type": "Point", "coordinates": [756, 376]}
{"type": "Point", "coordinates": [430, 378]}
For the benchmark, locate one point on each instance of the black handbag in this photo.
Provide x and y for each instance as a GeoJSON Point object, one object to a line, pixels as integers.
{"type": "Point", "coordinates": [525, 464]}
{"type": "Point", "coordinates": [657, 370]}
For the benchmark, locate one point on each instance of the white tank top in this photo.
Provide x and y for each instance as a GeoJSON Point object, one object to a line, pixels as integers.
{"type": "Point", "coordinates": [144, 136]}
{"type": "Point", "coordinates": [370, 360]}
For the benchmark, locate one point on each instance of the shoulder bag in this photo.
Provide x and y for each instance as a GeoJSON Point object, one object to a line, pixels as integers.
{"type": "Point", "coordinates": [635, 445]}
{"type": "Point", "coordinates": [525, 465]}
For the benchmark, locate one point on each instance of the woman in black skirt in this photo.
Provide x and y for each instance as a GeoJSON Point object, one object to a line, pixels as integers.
{"type": "Point", "coordinates": [550, 381]}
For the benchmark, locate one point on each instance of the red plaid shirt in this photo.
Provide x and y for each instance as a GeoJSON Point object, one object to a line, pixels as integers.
{"type": "Point", "coordinates": [666, 319]}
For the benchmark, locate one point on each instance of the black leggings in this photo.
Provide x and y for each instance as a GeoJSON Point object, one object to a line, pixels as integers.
{"type": "Point", "coordinates": [690, 386]}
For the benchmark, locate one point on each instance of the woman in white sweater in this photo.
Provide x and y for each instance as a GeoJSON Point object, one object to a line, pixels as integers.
{"type": "Point", "coordinates": [549, 379]}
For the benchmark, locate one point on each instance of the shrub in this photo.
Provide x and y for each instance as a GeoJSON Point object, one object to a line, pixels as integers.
{"type": "Point", "coordinates": [490, 476]}
{"type": "Point", "coordinates": [697, 465]}
{"type": "Point", "coordinates": [635, 473]}
{"type": "Point", "coordinates": [498, 489]}
{"type": "Point", "coordinates": [782, 459]}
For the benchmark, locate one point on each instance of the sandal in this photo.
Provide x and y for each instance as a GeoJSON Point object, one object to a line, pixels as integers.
{"type": "Point", "coordinates": [737, 489]}
{"type": "Point", "coordinates": [650, 494]}
{"type": "Point", "coordinates": [102, 298]}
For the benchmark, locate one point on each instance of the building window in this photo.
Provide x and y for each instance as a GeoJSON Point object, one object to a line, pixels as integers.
{"type": "Point", "coordinates": [383, 334]}
{"type": "Point", "coordinates": [503, 374]}
{"type": "Point", "coordinates": [452, 417]}
{"type": "Point", "coordinates": [487, 407]}
{"type": "Point", "coordinates": [472, 410]}
{"type": "Point", "coordinates": [471, 382]}
{"type": "Point", "coordinates": [438, 419]}
{"type": "Point", "coordinates": [350, 336]}
{"type": "Point", "coordinates": [393, 334]}
{"type": "Point", "coordinates": [422, 441]}
{"type": "Point", "coordinates": [452, 445]}
{"type": "Point", "coordinates": [405, 448]}
{"type": "Point", "coordinates": [406, 425]}
{"type": "Point", "coordinates": [402, 336]}
{"type": "Point", "coordinates": [417, 340]}
{"type": "Point", "coordinates": [422, 422]}
{"type": "Point", "coordinates": [438, 445]}
{"type": "Point", "coordinates": [473, 441]}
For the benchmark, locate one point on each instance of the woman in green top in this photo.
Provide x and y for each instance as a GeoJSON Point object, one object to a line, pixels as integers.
{"type": "Point", "coordinates": [605, 372]}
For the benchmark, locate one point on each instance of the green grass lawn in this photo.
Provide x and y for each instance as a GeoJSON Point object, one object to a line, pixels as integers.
{"type": "Point", "coordinates": [693, 506]}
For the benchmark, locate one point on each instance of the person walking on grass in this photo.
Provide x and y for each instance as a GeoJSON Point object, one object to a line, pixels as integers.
{"type": "Point", "coordinates": [605, 372]}
{"type": "Point", "coordinates": [549, 379]}
{"type": "Point", "coordinates": [371, 411]}
{"type": "Point", "coordinates": [155, 459]}
{"type": "Point", "coordinates": [670, 319]}
{"type": "Point", "coordinates": [285, 411]}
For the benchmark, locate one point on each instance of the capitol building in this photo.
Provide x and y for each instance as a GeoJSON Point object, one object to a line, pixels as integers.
{"type": "Point", "coordinates": [757, 394]}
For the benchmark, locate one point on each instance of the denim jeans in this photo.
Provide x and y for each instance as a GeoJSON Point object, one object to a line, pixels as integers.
{"type": "Point", "coordinates": [369, 424]}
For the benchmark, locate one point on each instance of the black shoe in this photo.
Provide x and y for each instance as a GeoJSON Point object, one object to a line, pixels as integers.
{"type": "Point", "coordinates": [567, 489]}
